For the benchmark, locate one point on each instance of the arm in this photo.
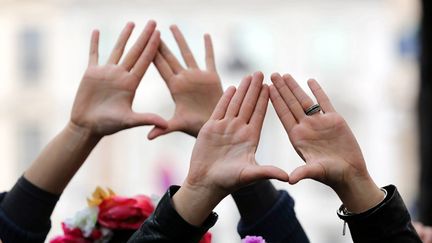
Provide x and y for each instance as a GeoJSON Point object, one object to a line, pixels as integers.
{"type": "Point", "coordinates": [268, 213]}
{"type": "Point", "coordinates": [102, 106]}
{"type": "Point", "coordinates": [332, 155]}
{"type": "Point", "coordinates": [223, 158]}
{"type": "Point", "coordinates": [195, 93]}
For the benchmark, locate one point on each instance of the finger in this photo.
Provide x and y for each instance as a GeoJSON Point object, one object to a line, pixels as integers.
{"type": "Point", "coordinates": [140, 44]}
{"type": "Point", "coordinates": [260, 172]}
{"type": "Point", "coordinates": [308, 171]}
{"type": "Point", "coordinates": [222, 105]}
{"type": "Point", "coordinates": [94, 49]}
{"type": "Point", "coordinates": [282, 110]}
{"type": "Point", "coordinates": [170, 58]}
{"type": "Point", "coordinates": [258, 115]}
{"type": "Point", "coordinates": [321, 96]}
{"type": "Point", "coordinates": [119, 47]}
{"type": "Point", "coordinates": [184, 48]}
{"type": "Point", "coordinates": [142, 119]}
{"type": "Point", "coordinates": [209, 53]}
{"type": "Point", "coordinates": [156, 132]}
{"type": "Point", "coordinates": [250, 100]}
{"type": "Point", "coordinates": [304, 99]}
{"type": "Point", "coordinates": [173, 125]}
{"type": "Point", "coordinates": [147, 56]}
{"type": "Point", "coordinates": [163, 68]}
{"type": "Point", "coordinates": [235, 104]}
{"type": "Point", "coordinates": [289, 98]}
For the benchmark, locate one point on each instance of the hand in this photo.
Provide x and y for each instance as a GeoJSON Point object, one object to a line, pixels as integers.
{"type": "Point", "coordinates": [194, 91]}
{"type": "Point", "coordinates": [223, 158]}
{"type": "Point", "coordinates": [325, 142]}
{"type": "Point", "coordinates": [103, 104]}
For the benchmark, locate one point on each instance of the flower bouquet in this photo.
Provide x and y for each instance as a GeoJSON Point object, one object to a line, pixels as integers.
{"type": "Point", "coordinates": [108, 218]}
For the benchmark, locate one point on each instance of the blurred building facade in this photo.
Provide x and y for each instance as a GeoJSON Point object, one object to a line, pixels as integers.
{"type": "Point", "coordinates": [363, 53]}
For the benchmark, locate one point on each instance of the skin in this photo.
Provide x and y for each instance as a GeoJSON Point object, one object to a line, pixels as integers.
{"type": "Point", "coordinates": [195, 91]}
{"type": "Point", "coordinates": [325, 143]}
{"type": "Point", "coordinates": [223, 158]}
{"type": "Point", "coordinates": [102, 106]}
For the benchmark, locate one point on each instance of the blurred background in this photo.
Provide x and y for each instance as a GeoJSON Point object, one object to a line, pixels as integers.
{"type": "Point", "coordinates": [364, 53]}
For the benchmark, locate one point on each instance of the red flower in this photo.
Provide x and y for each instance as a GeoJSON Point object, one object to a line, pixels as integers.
{"type": "Point", "coordinates": [206, 238]}
{"type": "Point", "coordinates": [124, 213]}
{"type": "Point", "coordinates": [75, 235]}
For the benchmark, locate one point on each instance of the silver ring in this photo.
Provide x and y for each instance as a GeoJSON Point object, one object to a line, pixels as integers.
{"type": "Point", "coordinates": [313, 109]}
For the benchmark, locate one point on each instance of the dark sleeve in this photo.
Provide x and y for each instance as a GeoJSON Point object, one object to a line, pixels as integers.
{"type": "Point", "coordinates": [166, 225]}
{"type": "Point", "coordinates": [276, 221]}
{"type": "Point", "coordinates": [387, 222]}
{"type": "Point", "coordinates": [25, 213]}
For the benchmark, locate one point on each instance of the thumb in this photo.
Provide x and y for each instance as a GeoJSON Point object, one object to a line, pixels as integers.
{"type": "Point", "coordinates": [313, 171]}
{"type": "Point", "coordinates": [260, 172]}
{"type": "Point", "coordinates": [142, 119]}
{"type": "Point", "coordinates": [157, 131]}
{"type": "Point", "coordinates": [173, 124]}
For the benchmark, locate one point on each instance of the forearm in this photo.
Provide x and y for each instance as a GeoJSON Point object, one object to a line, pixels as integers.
{"type": "Point", "coordinates": [360, 195]}
{"type": "Point", "coordinates": [268, 213]}
{"type": "Point", "coordinates": [195, 204]}
{"type": "Point", "coordinates": [389, 221]}
{"type": "Point", "coordinates": [166, 224]}
{"type": "Point", "coordinates": [61, 158]}
{"type": "Point", "coordinates": [255, 200]}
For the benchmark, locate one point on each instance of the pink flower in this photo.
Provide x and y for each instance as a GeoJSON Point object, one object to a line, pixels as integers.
{"type": "Point", "coordinates": [124, 213]}
{"type": "Point", "coordinates": [206, 238]}
{"type": "Point", "coordinates": [253, 239]}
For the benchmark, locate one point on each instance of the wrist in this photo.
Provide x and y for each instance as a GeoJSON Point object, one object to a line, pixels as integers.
{"type": "Point", "coordinates": [195, 203]}
{"type": "Point", "coordinates": [360, 195]}
{"type": "Point", "coordinates": [82, 133]}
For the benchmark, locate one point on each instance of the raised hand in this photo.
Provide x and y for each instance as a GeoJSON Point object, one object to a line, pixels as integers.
{"type": "Point", "coordinates": [223, 158]}
{"type": "Point", "coordinates": [194, 91]}
{"type": "Point", "coordinates": [325, 142]}
{"type": "Point", "coordinates": [103, 104]}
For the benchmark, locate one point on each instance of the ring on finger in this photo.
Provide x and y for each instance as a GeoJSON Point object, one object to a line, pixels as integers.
{"type": "Point", "coordinates": [313, 109]}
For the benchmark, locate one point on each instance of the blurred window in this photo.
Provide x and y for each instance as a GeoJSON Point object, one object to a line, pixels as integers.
{"type": "Point", "coordinates": [30, 55]}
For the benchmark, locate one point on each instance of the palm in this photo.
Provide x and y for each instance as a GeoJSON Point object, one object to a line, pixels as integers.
{"type": "Point", "coordinates": [195, 94]}
{"type": "Point", "coordinates": [323, 140]}
{"type": "Point", "coordinates": [194, 91]}
{"type": "Point", "coordinates": [327, 143]}
{"type": "Point", "coordinates": [234, 149]}
{"type": "Point", "coordinates": [103, 103]}
{"type": "Point", "coordinates": [105, 98]}
{"type": "Point", "coordinates": [224, 154]}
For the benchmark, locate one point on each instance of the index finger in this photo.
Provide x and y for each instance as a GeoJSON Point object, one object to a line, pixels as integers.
{"type": "Point", "coordinates": [287, 95]}
{"type": "Point", "coordinates": [147, 56]}
{"type": "Point", "coordinates": [184, 48]}
{"type": "Point", "coordinates": [135, 52]}
{"type": "Point", "coordinates": [222, 105]}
